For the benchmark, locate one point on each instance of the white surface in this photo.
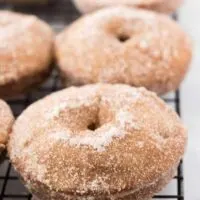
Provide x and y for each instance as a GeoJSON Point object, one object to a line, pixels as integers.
{"type": "Point", "coordinates": [189, 19]}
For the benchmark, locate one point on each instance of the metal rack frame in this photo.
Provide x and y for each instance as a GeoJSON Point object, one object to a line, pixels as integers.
{"type": "Point", "coordinates": [65, 13]}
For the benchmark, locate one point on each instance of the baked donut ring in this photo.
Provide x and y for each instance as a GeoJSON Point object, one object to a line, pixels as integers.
{"type": "Point", "coordinates": [97, 142]}
{"type": "Point", "coordinates": [124, 45]}
{"type": "Point", "coordinates": [164, 6]}
{"type": "Point", "coordinates": [26, 49]}
{"type": "Point", "coordinates": [6, 122]}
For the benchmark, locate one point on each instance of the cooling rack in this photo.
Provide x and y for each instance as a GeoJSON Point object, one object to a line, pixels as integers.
{"type": "Point", "coordinates": [58, 14]}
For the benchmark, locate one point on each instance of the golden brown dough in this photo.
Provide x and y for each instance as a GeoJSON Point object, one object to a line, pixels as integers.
{"type": "Point", "coordinates": [99, 142]}
{"type": "Point", "coordinates": [164, 6]}
{"type": "Point", "coordinates": [6, 122]}
{"type": "Point", "coordinates": [124, 45]}
{"type": "Point", "coordinates": [26, 45]}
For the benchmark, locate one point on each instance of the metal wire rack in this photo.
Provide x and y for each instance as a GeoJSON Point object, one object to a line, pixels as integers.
{"type": "Point", "coordinates": [58, 14]}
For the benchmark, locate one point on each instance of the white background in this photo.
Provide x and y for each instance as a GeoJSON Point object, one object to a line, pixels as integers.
{"type": "Point", "coordinates": [190, 20]}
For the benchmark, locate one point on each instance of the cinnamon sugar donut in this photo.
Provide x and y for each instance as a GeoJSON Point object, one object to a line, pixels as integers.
{"type": "Point", "coordinates": [6, 122]}
{"type": "Point", "coordinates": [97, 142]}
{"type": "Point", "coordinates": [25, 52]}
{"type": "Point", "coordinates": [164, 6]}
{"type": "Point", "coordinates": [124, 45]}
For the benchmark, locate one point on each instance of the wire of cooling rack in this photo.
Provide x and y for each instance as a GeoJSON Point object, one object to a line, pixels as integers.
{"type": "Point", "coordinates": [59, 14]}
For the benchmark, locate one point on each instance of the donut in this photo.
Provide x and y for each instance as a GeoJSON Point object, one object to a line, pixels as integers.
{"type": "Point", "coordinates": [97, 142]}
{"type": "Point", "coordinates": [6, 122]}
{"type": "Point", "coordinates": [26, 49]}
{"type": "Point", "coordinates": [34, 198]}
{"type": "Point", "coordinates": [163, 6]}
{"type": "Point", "coordinates": [124, 45]}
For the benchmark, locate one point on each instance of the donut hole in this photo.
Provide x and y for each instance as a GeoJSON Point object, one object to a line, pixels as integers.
{"type": "Point", "coordinates": [93, 126]}
{"type": "Point", "coordinates": [123, 37]}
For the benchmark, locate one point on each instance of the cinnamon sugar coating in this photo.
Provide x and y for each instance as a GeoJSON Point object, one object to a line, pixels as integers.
{"type": "Point", "coordinates": [163, 6]}
{"type": "Point", "coordinates": [26, 47]}
{"type": "Point", "coordinates": [97, 142]}
{"type": "Point", "coordinates": [124, 45]}
{"type": "Point", "coordinates": [6, 122]}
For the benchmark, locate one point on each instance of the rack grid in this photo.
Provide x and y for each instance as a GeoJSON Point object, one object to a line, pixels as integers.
{"type": "Point", "coordinates": [59, 14]}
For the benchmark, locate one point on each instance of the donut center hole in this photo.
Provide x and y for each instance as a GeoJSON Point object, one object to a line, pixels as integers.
{"type": "Point", "coordinates": [123, 37]}
{"type": "Point", "coordinates": [93, 126]}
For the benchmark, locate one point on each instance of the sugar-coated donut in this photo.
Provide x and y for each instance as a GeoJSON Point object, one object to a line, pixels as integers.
{"type": "Point", "coordinates": [97, 142]}
{"type": "Point", "coordinates": [124, 45]}
{"type": "Point", "coordinates": [164, 6]}
{"type": "Point", "coordinates": [34, 198]}
{"type": "Point", "coordinates": [6, 122]}
{"type": "Point", "coordinates": [26, 49]}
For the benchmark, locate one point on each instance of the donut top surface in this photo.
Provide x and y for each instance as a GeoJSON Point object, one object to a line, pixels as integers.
{"type": "Point", "coordinates": [124, 45]}
{"type": "Point", "coordinates": [97, 139]}
{"type": "Point", "coordinates": [6, 122]}
{"type": "Point", "coordinates": [165, 6]}
{"type": "Point", "coordinates": [25, 46]}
